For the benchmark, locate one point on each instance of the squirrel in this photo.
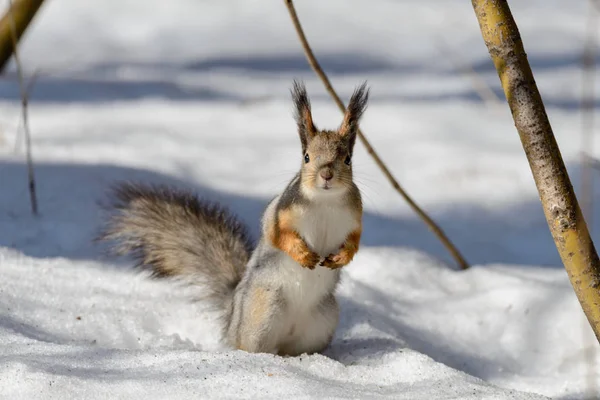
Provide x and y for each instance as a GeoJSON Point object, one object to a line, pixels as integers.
{"type": "Point", "coordinates": [276, 296]}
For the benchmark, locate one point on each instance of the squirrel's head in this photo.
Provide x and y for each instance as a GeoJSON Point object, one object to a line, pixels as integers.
{"type": "Point", "coordinates": [327, 154]}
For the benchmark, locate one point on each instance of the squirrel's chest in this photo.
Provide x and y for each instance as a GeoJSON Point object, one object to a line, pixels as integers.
{"type": "Point", "coordinates": [325, 228]}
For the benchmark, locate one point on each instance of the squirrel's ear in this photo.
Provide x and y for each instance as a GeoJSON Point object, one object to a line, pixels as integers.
{"type": "Point", "coordinates": [356, 108]}
{"type": "Point", "coordinates": [306, 127]}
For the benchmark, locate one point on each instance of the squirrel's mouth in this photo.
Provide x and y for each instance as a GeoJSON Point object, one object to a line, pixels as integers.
{"type": "Point", "coordinates": [330, 185]}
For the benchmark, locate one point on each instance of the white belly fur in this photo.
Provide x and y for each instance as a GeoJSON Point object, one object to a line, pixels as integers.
{"type": "Point", "coordinates": [303, 288]}
{"type": "Point", "coordinates": [324, 228]}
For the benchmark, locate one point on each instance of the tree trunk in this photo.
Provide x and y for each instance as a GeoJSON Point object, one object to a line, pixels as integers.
{"type": "Point", "coordinates": [562, 211]}
{"type": "Point", "coordinates": [15, 22]}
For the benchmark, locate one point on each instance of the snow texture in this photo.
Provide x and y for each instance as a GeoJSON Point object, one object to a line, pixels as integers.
{"type": "Point", "coordinates": [196, 94]}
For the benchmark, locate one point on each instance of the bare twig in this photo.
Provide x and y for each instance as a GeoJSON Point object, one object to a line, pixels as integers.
{"type": "Point", "coordinates": [28, 89]}
{"type": "Point", "coordinates": [319, 71]}
{"type": "Point", "coordinates": [24, 104]}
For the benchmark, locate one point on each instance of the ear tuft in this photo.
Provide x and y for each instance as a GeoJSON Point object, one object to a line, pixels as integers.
{"type": "Point", "coordinates": [354, 111]}
{"type": "Point", "coordinates": [356, 108]}
{"type": "Point", "coordinates": [302, 114]}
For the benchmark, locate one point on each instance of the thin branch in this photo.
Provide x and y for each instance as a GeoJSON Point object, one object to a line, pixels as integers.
{"type": "Point", "coordinates": [319, 71]}
{"type": "Point", "coordinates": [24, 104]}
{"type": "Point", "coordinates": [28, 89]}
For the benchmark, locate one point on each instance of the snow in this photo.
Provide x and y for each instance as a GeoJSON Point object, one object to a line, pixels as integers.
{"type": "Point", "coordinates": [196, 94]}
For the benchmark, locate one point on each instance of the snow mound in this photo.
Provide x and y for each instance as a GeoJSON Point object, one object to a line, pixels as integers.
{"type": "Point", "coordinates": [88, 330]}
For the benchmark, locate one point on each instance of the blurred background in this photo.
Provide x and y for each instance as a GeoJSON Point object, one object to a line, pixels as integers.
{"type": "Point", "coordinates": [197, 92]}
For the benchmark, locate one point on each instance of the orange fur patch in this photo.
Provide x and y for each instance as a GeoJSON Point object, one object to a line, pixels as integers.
{"type": "Point", "coordinates": [308, 121]}
{"type": "Point", "coordinates": [345, 127]}
{"type": "Point", "coordinates": [285, 238]}
{"type": "Point", "coordinates": [347, 251]}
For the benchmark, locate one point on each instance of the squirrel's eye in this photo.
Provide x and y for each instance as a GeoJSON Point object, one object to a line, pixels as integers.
{"type": "Point", "coordinates": [347, 160]}
{"type": "Point", "coordinates": [306, 158]}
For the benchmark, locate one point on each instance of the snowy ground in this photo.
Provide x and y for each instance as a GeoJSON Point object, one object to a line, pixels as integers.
{"type": "Point", "coordinates": [195, 94]}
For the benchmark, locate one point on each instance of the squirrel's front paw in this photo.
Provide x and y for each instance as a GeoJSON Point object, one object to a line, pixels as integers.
{"type": "Point", "coordinates": [309, 259]}
{"type": "Point", "coordinates": [335, 261]}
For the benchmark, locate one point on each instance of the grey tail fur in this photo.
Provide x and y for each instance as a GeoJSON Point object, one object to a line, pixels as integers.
{"type": "Point", "coordinates": [173, 233]}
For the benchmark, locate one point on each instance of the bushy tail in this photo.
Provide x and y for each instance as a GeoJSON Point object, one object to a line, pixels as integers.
{"type": "Point", "coordinates": [175, 234]}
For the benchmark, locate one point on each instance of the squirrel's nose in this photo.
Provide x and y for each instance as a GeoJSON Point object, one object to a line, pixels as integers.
{"type": "Point", "coordinates": [326, 174]}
